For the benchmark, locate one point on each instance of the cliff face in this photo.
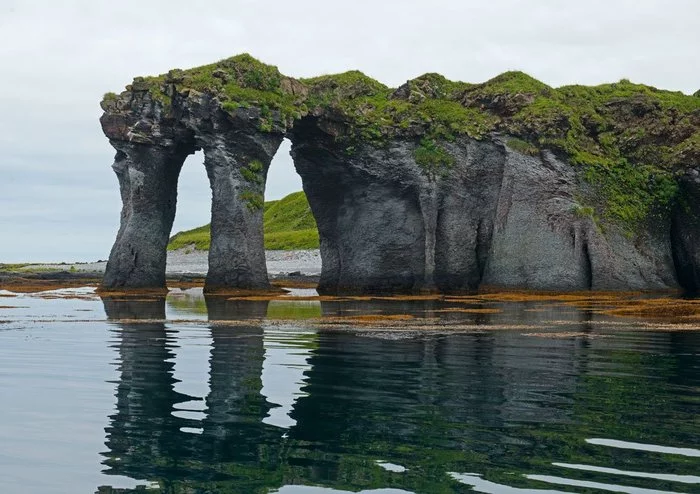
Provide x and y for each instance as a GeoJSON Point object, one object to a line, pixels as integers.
{"type": "Point", "coordinates": [432, 186]}
{"type": "Point", "coordinates": [496, 217]}
{"type": "Point", "coordinates": [685, 232]}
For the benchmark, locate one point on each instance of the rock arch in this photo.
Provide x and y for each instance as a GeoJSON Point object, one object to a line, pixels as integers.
{"type": "Point", "coordinates": [151, 149]}
{"type": "Point", "coordinates": [434, 186]}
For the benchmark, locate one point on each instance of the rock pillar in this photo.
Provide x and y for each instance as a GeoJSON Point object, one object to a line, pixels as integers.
{"type": "Point", "coordinates": [685, 232]}
{"type": "Point", "coordinates": [148, 183]}
{"type": "Point", "coordinates": [237, 170]}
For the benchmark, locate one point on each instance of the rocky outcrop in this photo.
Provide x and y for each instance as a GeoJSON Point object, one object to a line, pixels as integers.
{"type": "Point", "coordinates": [151, 149]}
{"type": "Point", "coordinates": [153, 139]}
{"type": "Point", "coordinates": [236, 156]}
{"type": "Point", "coordinates": [495, 218]}
{"type": "Point", "coordinates": [435, 186]}
{"type": "Point", "coordinates": [543, 238]}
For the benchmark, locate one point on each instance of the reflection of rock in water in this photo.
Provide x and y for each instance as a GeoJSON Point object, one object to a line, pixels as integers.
{"type": "Point", "coordinates": [222, 308]}
{"type": "Point", "coordinates": [418, 402]}
{"type": "Point", "coordinates": [468, 312]}
{"type": "Point", "coordinates": [686, 348]}
{"type": "Point", "coordinates": [146, 441]}
{"type": "Point", "coordinates": [134, 308]}
{"type": "Point", "coordinates": [234, 429]}
{"type": "Point", "coordinates": [430, 394]}
{"type": "Point", "coordinates": [143, 432]}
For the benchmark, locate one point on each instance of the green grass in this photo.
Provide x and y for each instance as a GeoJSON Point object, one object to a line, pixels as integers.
{"type": "Point", "coordinates": [522, 147]}
{"type": "Point", "coordinates": [288, 225]}
{"type": "Point", "coordinates": [199, 238]}
{"type": "Point", "coordinates": [432, 157]}
{"type": "Point", "coordinates": [13, 267]}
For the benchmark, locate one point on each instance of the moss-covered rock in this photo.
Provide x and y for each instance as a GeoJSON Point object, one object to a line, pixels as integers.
{"type": "Point", "coordinates": [623, 148]}
{"type": "Point", "coordinates": [629, 140]}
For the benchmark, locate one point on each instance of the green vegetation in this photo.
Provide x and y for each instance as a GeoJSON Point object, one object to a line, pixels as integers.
{"type": "Point", "coordinates": [253, 173]}
{"type": "Point", "coordinates": [628, 140]}
{"type": "Point", "coordinates": [254, 200]}
{"type": "Point", "coordinates": [522, 147]}
{"type": "Point", "coordinates": [238, 82]}
{"type": "Point", "coordinates": [13, 267]}
{"type": "Point", "coordinates": [288, 225]}
{"type": "Point", "coordinates": [432, 157]}
{"type": "Point", "coordinates": [199, 238]}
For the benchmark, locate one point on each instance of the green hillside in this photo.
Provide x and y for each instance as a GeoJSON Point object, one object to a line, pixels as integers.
{"type": "Point", "coordinates": [288, 225]}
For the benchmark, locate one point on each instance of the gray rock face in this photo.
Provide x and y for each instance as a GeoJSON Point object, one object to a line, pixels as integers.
{"type": "Point", "coordinates": [148, 183]}
{"type": "Point", "coordinates": [543, 239]}
{"type": "Point", "coordinates": [237, 252]}
{"type": "Point", "coordinates": [495, 218]}
{"type": "Point", "coordinates": [686, 232]}
{"type": "Point", "coordinates": [369, 218]}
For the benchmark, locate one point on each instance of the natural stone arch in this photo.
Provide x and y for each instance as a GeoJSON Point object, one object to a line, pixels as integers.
{"type": "Point", "coordinates": [237, 157]}
{"type": "Point", "coordinates": [435, 185]}
{"type": "Point", "coordinates": [151, 149]}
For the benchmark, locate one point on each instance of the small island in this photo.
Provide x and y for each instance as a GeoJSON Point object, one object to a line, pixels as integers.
{"type": "Point", "coordinates": [435, 186]}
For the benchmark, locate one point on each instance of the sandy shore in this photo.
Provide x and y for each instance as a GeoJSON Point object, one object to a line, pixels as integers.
{"type": "Point", "coordinates": [188, 261]}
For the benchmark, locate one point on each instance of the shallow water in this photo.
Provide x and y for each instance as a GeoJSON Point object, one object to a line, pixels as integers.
{"type": "Point", "coordinates": [228, 396]}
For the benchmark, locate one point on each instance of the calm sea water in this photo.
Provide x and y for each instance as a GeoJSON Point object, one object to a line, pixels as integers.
{"type": "Point", "coordinates": [152, 396]}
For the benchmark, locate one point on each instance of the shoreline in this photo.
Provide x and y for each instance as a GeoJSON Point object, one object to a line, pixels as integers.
{"type": "Point", "coordinates": [188, 261]}
{"type": "Point", "coordinates": [186, 268]}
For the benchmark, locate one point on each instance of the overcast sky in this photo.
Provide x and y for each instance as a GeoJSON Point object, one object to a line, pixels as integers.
{"type": "Point", "coordinates": [58, 195]}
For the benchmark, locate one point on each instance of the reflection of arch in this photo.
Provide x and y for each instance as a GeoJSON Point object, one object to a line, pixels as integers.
{"type": "Point", "coordinates": [134, 308]}
{"type": "Point", "coordinates": [143, 427]}
{"type": "Point", "coordinates": [145, 440]}
{"type": "Point", "coordinates": [423, 403]}
{"type": "Point", "coordinates": [223, 308]}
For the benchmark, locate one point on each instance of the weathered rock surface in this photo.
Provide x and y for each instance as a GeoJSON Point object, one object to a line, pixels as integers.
{"type": "Point", "coordinates": [686, 232]}
{"type": "Point", "coordinates": [496, 218]}
{"type": "Point", "coordinates": [236, 157]}
{"type": "Point", "coordinates": [148, 183]}
{"type": "Point", "coordinates": [541, 240]}
{"type": "Point", "coordinates": [434, 186]}
{"type": "Point", "coordinates": [152, 145]}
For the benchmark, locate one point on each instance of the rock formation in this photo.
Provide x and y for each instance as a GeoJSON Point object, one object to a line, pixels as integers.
{"type": "Point", "coordinates": [685, 233]}
{"type": "Point", "coordinates": [434, 186]}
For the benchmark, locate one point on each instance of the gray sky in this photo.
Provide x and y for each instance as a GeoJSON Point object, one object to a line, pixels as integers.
{"type": "Point", "coordinates": [58, 196]}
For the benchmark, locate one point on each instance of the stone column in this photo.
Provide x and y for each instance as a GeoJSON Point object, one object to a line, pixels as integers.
{"type": "Point", "coordinates": [428, 200]}
{"type": "Point", "coordinates": [148, 177]}
{"type": "Point", "coordinates": [685, 232]}
{"type": "Point", "coordinates": [237, 169]}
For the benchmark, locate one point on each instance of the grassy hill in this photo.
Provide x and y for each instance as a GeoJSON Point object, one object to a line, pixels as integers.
{"type": "Point", "coordinates": [288, 225]}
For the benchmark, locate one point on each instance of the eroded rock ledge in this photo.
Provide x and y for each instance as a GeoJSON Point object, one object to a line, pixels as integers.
{"type": "Point", "coordinates": [434, 186]}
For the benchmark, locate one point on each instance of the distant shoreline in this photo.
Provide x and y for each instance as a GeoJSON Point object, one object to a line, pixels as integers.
{"type": "Point", "coordinates": [185, 266]}
{"type": "Point", "coordinates": [189, 261]}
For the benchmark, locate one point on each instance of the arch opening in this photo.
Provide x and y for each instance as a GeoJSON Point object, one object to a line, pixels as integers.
{"type": "Point", "coordinates": [288, 221]}
{"type": "Point", "coordinates": [188, 247]}
{"type": "Point", "coordinates": [221, 237]}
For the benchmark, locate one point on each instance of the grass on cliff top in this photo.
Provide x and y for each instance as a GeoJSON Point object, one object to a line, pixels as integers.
{"type": "Point", "coordinates": [238, 82]}
{"type": "Point", "coordinates": [288, 225]}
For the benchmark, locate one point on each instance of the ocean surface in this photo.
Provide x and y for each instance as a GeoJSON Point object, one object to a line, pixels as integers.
{"type": "Point", "coordinates": [194, 395]}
